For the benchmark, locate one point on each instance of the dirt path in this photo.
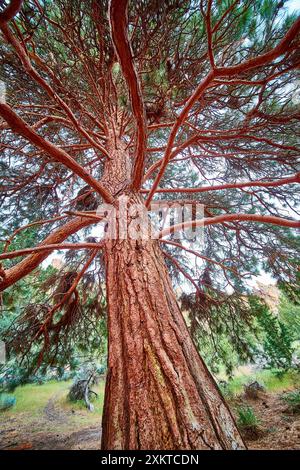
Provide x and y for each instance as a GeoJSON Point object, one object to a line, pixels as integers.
{"type": "Point", "coordinates": [280, 429]}
{"type": "Point", "coordinates": [88, 438]}
{"type": "Point", "coordinates": [54, 428]}
{"type": "Point", "coordinates": [53, 412]}
{"type": "Point", "coordinates": [58, 428]}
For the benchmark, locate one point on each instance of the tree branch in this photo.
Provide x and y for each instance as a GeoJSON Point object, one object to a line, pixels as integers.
{"type": "Point", "coordinates": [54, 246]}
{"type": "Point", "coordinates": [263, 59]}
{"type": "Point", "coordinates": [267, 219]}
{"type": "Point", "coordinates": [220, 72]}
{"type": "Point", "coordinates": [118, 22]}
{"type": "Point", "coordinates": [18, 125]}
{"type": "Point", "coordinates": [10, 11]}
{"type": "Point", "coordinates": [193, 252]}
{"type": "Point", "coordinates": [32, 224]}
{"type": "Point", "coordinates": [179, 121]}
{"type": "Point", "coordinates": [289, 180]}
{"type": "Point", "coordinates": [180, 268]}
{"type": "Point", "coordinates": [10, 38]}
{"type": "Point", "coordinates": [26, 266]}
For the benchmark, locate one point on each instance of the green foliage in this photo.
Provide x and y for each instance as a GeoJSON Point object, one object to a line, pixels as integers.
{"type": "Point", "coordinates": [289, 314]}
{"type": "Point", "coordinates": [6, 401]}
{"type": "Point", "coordinates": [268, 378]}
{"type": "Point", "coordinates": [258, 335]}
{"type": "Point", "coordinates": [277, 349]}
{"type": "Point", "coordinates": [225, 390]}
{"type": "Point", "coordinates": [292, 399]}
{"type": "Point", "coordinates": [247, 417]}
{"type": "Point", "coordinates": [11, 376]}
{"type": "Point", "coordinates": [27, 303]}
{"type": "Point", "coordinates": [211, 316]}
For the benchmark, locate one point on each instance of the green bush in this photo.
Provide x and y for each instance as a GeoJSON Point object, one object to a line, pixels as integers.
{"type": "Point", "coordinates": [225, 390]}
{"type": "Point", "coordinates": [247, 418]}
{"type": "Point", "coordinates": [6, 401]}
{"type": "Point", "coordinates": [292, 399]}
{"type": "Point", "coordinates": [67, 375]}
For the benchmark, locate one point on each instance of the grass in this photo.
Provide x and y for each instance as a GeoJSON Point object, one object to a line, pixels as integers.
{"type": "Point", "coordinates": [31, 400]}
{"type": "Point", "coordinates": [292, 399]}
{"type": "Point", "coordinates": [31, 415]}
{"type": "Point", "coordinates": [80, 405]}
{"type": "Point", "coordinates": [267, 378]}
{"type": "Point", "coordinates": [6, 401]}
{"type": "Point", "coordinates": [246, 417]}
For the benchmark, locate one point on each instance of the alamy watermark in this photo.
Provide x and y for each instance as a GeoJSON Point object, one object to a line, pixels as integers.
{"type": "Point", "coordinates": [2, 352]}
{"type": "Point", "coordinates": [162, 218]}
{"type": "Point", "coordinates": [2, 92]}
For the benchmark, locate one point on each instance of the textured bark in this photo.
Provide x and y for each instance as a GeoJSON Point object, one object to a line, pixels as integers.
{"type": "Point", "coordinates": [159, 394]}
{"type": "Point", "coordinates": [117, 170]}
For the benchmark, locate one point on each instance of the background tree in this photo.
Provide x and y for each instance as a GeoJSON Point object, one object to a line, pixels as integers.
{"type": "Point", "coordinates": [173, 99]}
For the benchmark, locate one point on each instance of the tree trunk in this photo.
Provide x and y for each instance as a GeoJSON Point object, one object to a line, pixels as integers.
{"type": "Point", "coordinates": [159, 393]}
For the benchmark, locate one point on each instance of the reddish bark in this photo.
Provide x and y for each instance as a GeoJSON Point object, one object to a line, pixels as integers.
{"type": "Point", "coordinates": [159, 394]}
{"type": "Point", "coordinates": [118, 23]}
{"type": "Point", "coordinates": [11, 10]}
{"type": "Point", "coordinates": [291, 179]}
{"type": "Point", "coordinates": [57, 246]}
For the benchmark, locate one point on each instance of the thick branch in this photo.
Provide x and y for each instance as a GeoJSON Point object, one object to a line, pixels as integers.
{"type": "Point", "coordinates": [54, 246]}
{"type": "Point", "coordinates": [27, 265]}
{"type": "Point", "coordinates": [10, 11]}
{"type": "Point", "coordinates": [289, 180]}
{"type": "Point", "coordinates": [118, 23]}
{"type": "Point", "coordinates": [263, 59]}
{"type": "Point", "coordinates": [32, 224]}
{"type": "Point", "coordinates": [18, 125]}
{"type": "Point", "coordinates": [267, 219]}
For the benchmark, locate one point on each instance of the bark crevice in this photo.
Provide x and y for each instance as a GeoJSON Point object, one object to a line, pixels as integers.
{"type": "Point", "coordinates": [160, 394]}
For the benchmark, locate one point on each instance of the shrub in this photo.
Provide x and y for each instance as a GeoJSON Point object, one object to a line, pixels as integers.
{"type": "Point", "coordinates": [248, 422]}
{"type": "Point", "coordinates": [67, 375]}
{"type": "Point", "coordinates": [277, 341]}
{"type": "Point", "coordinates": [253, 390]}
{"type": "Point", "coordinates": [6, 401]}
{"type": "Point", "coordinates": [292, 399]}
{"type": "Point", "coordinates": [247, 417]}
{"type": "Point", "coordinates": [225, 390]}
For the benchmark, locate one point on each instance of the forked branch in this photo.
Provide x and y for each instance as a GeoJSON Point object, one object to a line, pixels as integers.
{"type": "Point", "coordinates": [21, 127]}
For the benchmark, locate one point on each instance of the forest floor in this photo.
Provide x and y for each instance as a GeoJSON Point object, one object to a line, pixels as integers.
{"type": "Point", "coordinates": [278, 428]}
{"type": "Point", "coordinates": [43, 418]}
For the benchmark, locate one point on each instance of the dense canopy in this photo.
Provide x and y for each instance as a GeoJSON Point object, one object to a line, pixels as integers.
{"type": "Point", "coordinates": [186, 101]}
